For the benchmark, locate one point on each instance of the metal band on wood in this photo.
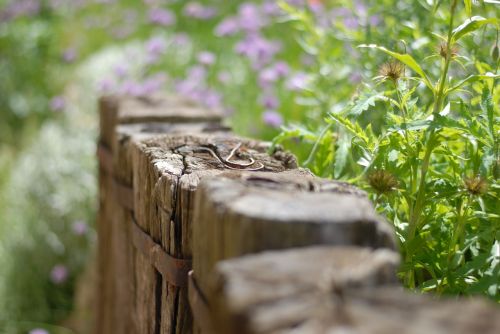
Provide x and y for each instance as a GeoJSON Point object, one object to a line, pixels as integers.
{"type": "Point", "coordinates": [199, 306]}
{"type": "Point", "coordinates": [173, 270]}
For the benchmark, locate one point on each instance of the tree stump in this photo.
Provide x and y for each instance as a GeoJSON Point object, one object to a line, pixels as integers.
{"type": "Point", "coordinates": [249, 214]}
{"type": "Point", "coordinates": [167, 170]}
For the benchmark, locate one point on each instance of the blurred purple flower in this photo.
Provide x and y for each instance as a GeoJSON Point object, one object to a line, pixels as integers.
{"type": "Point", "coordinates": [80, 227]}
{"type": "Point", "coordinates": [57, 103]}
{"type": "Point", "coordinates": [355, 77]}
{"type": "Point", "coordinates": [270, 102]}
{"type": "Point", "coordinates": [351, 22]}
{"type": "Point", "coordinates": [38, 331]}
{"type": "Point", "coordinates": [271, 8]}
{"type": "Point", "coordinates": [198, 11]}
{"type": "Point", "coordinates": [227, 27]}
{"type": "Point", "coordinates": [154, 83]}
{"type": "Point", "coordinates": [69, 55]}
{"type": "Point", "coordinates": [282, 69]}
{"type": "Point", "coordinates": [267, 77]}
{"type": "Point", "coordinates": [132, 88]}
{"type": "Point", "coordinates": [259, 50]}
{"type": "Point", "coordinates": [297, 81]}
{"type": "Point", "coordinates": [206, 58]}
{"type": "Point", "coordinates": [155, 47]}
{"type": "Point", "coordinates": [59, 274]}
{"type": "Point", "coordinates": [162, 17]}
{"type": "Point", "coordinates": [211, 99]}
{"type": "Point", "coordinates": [120, 70]}
{"type": "Point", "coordinates": [272, 118]}
{"type": "Point", "coordinates": [21, 8]}
{"type": "Point", "coordinates": [250, 18]}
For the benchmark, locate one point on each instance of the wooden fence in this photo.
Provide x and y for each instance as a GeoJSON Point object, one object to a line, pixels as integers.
{"type": "Point", "coordinates": [272, 248]}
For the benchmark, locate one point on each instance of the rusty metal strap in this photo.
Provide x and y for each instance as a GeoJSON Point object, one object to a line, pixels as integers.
{"type": "Point", "coordinates": [173, 270]}
{"type": "Point", "coordinates": [124, 194]}
{"type": "Point", "coordinates": [199, 306]}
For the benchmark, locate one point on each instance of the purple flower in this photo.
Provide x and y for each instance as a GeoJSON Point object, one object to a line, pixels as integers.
{"type": "Point", "coordinates": [58, 103]}
{"type": "Point", "coordinates": [38, 331]}
{"type": "Point", "coordinates": [267, 77]}
{"type": "Point", "coordinates": [120, 70]}
{"type": "Point", "coordinates": [80, 228]}
{"type": "Point", "coordinates": [270, 102]}
{"type": "Point", "coordinates": [211, 99]}
{"type": "Point", "coordinates": [69, 55]}
{"type": "Point", "coordinates": [198, 11]}
{"type": "Point", "coordinates": [59, 274]}
{"type": "Point", "coordinates": [272, 118]}
{"type": "Point", "coordinates": [154, 83]}
{"type": "Point", "coordinates": [206, 58]}
{"type": "Point", "coordinates": [271, 8]}
{"type": "Point", "coordinates": [298, 81]}
{"type": "Point", "coordinates": [227, 27]}
{"type": "Point", "coordinates": [155, 47]}
{"type": "Point", "coordinates": [282, 69]}
{"type": "Point", "coordinates": [162, 17]}
{"type": "Point", "coordinates": [259, 50]}
{"type": "Point", "coordinates": [250, 18]}
{"type": "Point", "coordinates": [132, 88]}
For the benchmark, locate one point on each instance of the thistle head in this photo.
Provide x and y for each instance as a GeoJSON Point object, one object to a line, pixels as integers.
{"type": "Point", "coordinates": [476, 185]}
{"type": "Point", "coordinates": [443, 51]}
{"type": "Point", "coordinates": [392, 70]}
{"type": "Point", "coordinates": [382, 181]}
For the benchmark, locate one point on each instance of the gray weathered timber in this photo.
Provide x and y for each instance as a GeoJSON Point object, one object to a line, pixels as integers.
{"type": "Point", "coordinates": [238, 216]}
{"type": "Point", "coordinates": [167, 170]}
{"type": "Point", "coordinates": [143, 118]}
{"type": "Point", "coordinates": [333, 290]}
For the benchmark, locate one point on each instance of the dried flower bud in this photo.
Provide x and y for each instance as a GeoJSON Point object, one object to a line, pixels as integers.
{"type": "Point", "coordinates": [392, 70]}
{"type": "Point", "coordinates": [382, 181]}
{"type": "Point", "coordinates": [494, 52]}
{"type": "Point", "coordinates": [443, 50]}
{"type": "Point", "coordinates": [476, 185]}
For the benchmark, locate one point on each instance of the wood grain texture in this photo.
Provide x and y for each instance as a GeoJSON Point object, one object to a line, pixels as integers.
{"type": "Point", "coordinates": [333, 290]}
{"type": "Point", "coordinates": [281, 291]}
{"type": "Point", "coordinates": [125, 121]}
{"type": "Point", "coordinates": [235, 216]}
{"type": "Point", "coordinates": [167, 170]}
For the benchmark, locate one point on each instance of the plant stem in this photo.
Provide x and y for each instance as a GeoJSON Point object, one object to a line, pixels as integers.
{"type": "Point", "coordinates": [439, 98]}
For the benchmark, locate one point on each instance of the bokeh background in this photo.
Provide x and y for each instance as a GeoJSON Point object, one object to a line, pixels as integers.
{"type": "Point", "coordinates": [58, 56]}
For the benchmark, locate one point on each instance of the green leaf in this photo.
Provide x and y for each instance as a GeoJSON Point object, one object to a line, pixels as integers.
{"type": "Point", "coordinates": [405, 59]}
{"type": "Point", "coordinates": [468, 7]}
{"type": "Point", "coordinates": [471, 25]}
{"type": "Point", "coordinates": [472, 79]}
{"type": "Point", "coordinates": [365, 102]}
{"type": "Point", "coordinates": [341, 155]}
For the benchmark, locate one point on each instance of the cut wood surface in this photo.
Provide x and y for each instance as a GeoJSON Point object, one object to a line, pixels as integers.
{"type": "Point", "coordinates": [167, 170]}
{"type": "Point", "coordinates": [249, 214]}
{"type": "Point", "coordinates": [332, 290]}
{"type": "Point", "coordinates": [118, 296]}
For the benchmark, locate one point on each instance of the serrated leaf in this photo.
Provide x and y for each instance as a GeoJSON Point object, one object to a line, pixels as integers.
{"type": "Point", "coordinates": [365, 102]}
{"type": "Point", "coordinates": [405, 59]}
{"type": "Point", "coordinates": [470, 25]}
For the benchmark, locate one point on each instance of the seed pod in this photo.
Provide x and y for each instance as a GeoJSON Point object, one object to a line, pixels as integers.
{"type": "Point", "coordinates": [476, 185]}
{"type": "Point", "coordinates": [382, 181]}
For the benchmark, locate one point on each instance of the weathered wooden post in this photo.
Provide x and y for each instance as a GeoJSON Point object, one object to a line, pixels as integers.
{"type": "Point", "coordinates": [239, 215]}
{"type": "Point", "coordinates": [167, 170]}
{"type": "Point", "coordinates": [333, 290]}
{"type": "Point", "coordinates": [123, 121]}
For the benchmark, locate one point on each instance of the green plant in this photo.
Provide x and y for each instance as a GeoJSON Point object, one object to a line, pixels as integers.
{"type": "Point", "coordinates": [428, 157]}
